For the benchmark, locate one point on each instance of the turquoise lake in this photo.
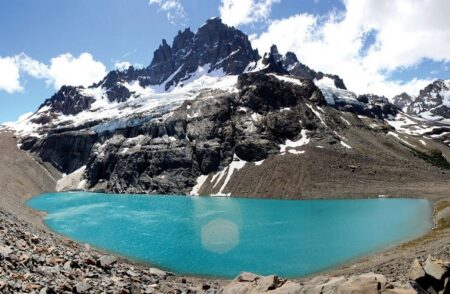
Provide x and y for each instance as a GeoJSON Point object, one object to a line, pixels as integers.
{"type": "Point", "coordinates": [220, 237]}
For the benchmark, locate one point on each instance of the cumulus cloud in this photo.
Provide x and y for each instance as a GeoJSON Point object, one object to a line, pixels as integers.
{"type": "Point", "coordinates": [77, 71]}
{"type": "Point", "coordinates": [174, 10]}
{"type": "Point", "coordinates": [242, 12]}
{"type": "Point", "coordinates": [62, 70]}
{"type": "Point", "coordinates": [9, 75]}
{"type": "Point", "coordinates": [367, 42]}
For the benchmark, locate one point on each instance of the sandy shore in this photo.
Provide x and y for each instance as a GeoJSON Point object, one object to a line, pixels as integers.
{"type": "Point", "coordinates": [21, 177]}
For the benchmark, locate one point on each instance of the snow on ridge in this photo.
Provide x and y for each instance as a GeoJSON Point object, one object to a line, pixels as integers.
{"type": "Point", "coordinates": [407, 124]}
{"type": "Point", "coordinates": [295, 144]}
{"type": "Point", "coordinates": [316, 113]}
{"type": "Point", "coordinates": [144, 101]}
{"type": "Point", "coordinates": [333, 94]}
{"type": "Point", "coordinates": [397, 136]}
{"type": "Point", "coordinates": [287, 79]}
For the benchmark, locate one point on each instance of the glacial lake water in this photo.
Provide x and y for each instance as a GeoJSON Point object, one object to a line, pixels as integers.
{"type": "Point", "coordinates": [220, 237]}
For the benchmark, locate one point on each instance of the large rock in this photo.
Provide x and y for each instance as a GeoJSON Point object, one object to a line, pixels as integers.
{"type": "Point", "coordinates": [435, 268]}
{"type": "Point", "coordinates": [107, 260]}
{"type": "Point", "coordinates": [416, 271]}
{"type": "Point", "coordinates": [265, 284]}
{"type": "Point", "coordinates": [247, 277]}
{"type": "Point", "coordinates": [366, 283]}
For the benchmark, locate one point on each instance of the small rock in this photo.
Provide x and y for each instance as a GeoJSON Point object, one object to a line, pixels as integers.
{"type": "Point", "coordinates": [289, 288]}
{"type": "Point", "coordinates": [132, 274]}
{"type": "Point", "coordinates": [82, 287]}
{"type": "Point", "coordinates": [5, 251]}
{"type": "Point", "coordinates": [107, 260]}
{"type": "Point", "coordinates": [267, 283]}
{"type": "Point", "coordinates": [157, 272]}
{"type": "Point", "coordinates": [247, 277]}
{"type": "Point", "coordinates": [67, 266]}
{"type": "Point", "coordinates": [366, 283]}
{"type": "Point", "coordinates": [21, 244]}
{"type": "Point", "coordinates": [135, 289]}
{"type": "Point", "coordinates": [416, 272]}
{"type": "Point", "coordinates": [435, 268]}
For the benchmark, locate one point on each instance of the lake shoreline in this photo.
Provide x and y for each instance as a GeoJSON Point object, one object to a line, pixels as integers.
{"type": "Point", "coordinates": [394, 263]}
{"type": "Point", "coordinates": [331, 218]}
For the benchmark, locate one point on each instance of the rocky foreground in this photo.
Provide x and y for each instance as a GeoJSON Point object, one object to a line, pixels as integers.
{"type": "Point", "coordinates": [36, 261]}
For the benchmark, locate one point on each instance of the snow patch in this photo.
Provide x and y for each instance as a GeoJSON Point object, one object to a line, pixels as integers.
{"type": "Point", "coordinates": [72, 181]}
{"type": "Point", "coordinates": [295, 144]}
{"type": "Point", "coordinates": [401, 140]}
{"type": "Point", "coordinates": [346, 145]}
{"type": "Point", "coordinates": [200, 181]}
{"type": "Point", "coordinates": [316, 113]}
{"type": "Point", "coordinates": [287, 79]}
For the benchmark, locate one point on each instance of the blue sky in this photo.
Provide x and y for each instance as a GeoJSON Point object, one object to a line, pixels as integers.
{"type": "Point", "coordinates": [114, 31]}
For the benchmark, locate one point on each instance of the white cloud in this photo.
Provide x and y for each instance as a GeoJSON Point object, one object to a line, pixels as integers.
{"type": "Point", "coordinates": [9, 75]}
{"type": "Point", "coordinates": [76, 71]}
{"type": "Point", "coordinates": [406, 32]}
{"type": "Point", "coordinates": [242, 12]}
{"type": "Point", "coordinates": [62, 70]}
{"type": "Point", "coordinates": [122, 65]}
{"type": "Point", "coordinates": [174, 10]}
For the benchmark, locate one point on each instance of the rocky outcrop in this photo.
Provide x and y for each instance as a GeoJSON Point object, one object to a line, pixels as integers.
{"type": "Point", "coordinates": [291, 64]}
{"type": "Point", "coordinates": [430, 277]}
{"type": "Point", "coordinates": [377, 106]}
{"type": "Point", "coordinates": [67, 151]}
{"type": "Point", "coordinates": [68, 100]}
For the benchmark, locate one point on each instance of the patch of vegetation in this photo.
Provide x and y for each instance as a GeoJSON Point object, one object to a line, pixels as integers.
{"type": "Point", "coordinates": [440, 206]}
{"type": "Point", "coordinates": [436, 233]}
{"type": "Point", "coordinates": [435, 157]}
{"type": "Point", "coordinates": [443, 224]}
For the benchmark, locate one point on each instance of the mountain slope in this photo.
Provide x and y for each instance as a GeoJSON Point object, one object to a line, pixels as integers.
{"type": "Point", "coordinates": [209, 116]}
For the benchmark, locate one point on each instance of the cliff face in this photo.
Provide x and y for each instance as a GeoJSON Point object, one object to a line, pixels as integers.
{"type": "Point", "coordinates": [273, 136]}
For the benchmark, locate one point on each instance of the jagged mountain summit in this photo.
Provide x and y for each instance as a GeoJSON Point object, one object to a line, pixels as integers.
{"type": "Point", "coordinates": [429, 111]}
{"type": "Point", "coordinates": [402, 101]}
{"type": "Point", "coordinates": [433, 102]}
{"type": "Point", "coordinates": [209, 115]}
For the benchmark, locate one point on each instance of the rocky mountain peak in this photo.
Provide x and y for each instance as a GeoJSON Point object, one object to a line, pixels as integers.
{"type": "Point", "coordinates": [291, 63]}
{"type": "Point", "coordinates": [272, 64]}
{"type": "Point", "coordinates": [214, 45]}
{"type": "Point", "coordinates": [275, 53]}
{"type": "Point", "coordinates": [402, 101]}
{"type": "Point", "coordinates": [183, 40]}
{"type": "Point", "coordinates": [68, 100]}
{"type": "Point", "coordinates": [433, 101]}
